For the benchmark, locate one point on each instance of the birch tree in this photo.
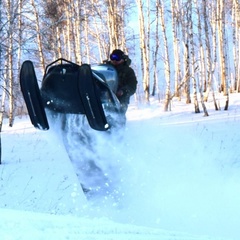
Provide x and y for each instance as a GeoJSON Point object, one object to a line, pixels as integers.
{"type": "Point", "coordinates": [209, 59]}
{"type": "Point", "coordinates": [20, 40]}
{"type": "Point", "coordinates": [201, 75]}
{"type": "Point", "coordinates": [112, 21]}
{"type": "Point", "coordinates": [9, 62]}
{"type": "Point", "coordinates": [166, 57]}
{"type": "Point", "coordinates": [236, 42]}
{"type": "Point", "coordinates": [76, 31]}
{"type": "Point", "coordinates": [11, 37]}
{"type": "Point", "coordinates": [1, 70]}
{"type": "Point", "coordinates": [39, 37]}
{"type": "Point", "coordinates": [155, 52]}
{"type": "Point", "coordinates": [57, 20]}
{"type": "Point", "coordinates": [97, 25]}
{"type": "Point", "coordinates": [86, 32]}
{"type": "Point", "coordinates": [222, 49]}
{"type": "Point", "coordinates": [209, 50]}
{"type": "Point", "coordinates": [115, 23]}
{"type": "Point", "coordinates": [144, 49]}
{"type": "Point", "coordinates": [186, 50]}
{"type": "Point", "coordinates": [192, 55]}
{"type": "Point", "coordinates": [176, 50]}
{"type": "Point", "coordinates": [1, 87]}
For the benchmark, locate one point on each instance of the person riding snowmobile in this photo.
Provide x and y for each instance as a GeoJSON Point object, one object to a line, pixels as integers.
{"type": "Point", "coordinates": [127, 81]}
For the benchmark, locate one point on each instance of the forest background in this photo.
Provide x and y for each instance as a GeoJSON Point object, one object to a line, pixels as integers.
{"type": "Point", "coordinates": [185, 49]}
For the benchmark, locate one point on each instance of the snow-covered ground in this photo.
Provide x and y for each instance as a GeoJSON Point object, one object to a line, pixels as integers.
{"type": "Point", "coordinates": [176, 174]}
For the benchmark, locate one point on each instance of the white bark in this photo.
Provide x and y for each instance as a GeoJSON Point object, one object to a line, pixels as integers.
{"type": "Point", "coordinates": [166, 57]}
{"type": "Point", "coordinates": [144, 49]}
{"type": "Point", "coordinates": [39, 38]}
{"type": "Point", "coordinates": [176, 50]}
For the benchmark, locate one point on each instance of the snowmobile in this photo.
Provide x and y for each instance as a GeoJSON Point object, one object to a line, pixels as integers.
{"type": "Point", "coordinates": [69, 88]}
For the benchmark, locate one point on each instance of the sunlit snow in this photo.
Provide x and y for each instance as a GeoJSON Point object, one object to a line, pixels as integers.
{"type": "Point", "coordinates": [177, 175]}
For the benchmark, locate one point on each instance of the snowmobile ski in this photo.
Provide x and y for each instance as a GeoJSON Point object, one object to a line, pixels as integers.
{"type": "Point", "coordinates": [91, 99]}
{"type": "Point", "coordinates": [32, 96]}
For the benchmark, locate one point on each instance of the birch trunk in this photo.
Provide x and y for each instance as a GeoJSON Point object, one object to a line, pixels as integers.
{"type": "Point", "coordinates": [39, 38]}
{"type": "Point", "coordinates": [20, 23]}
{"type": "Point", "coordinates": [103, 50]}
{"type": "Point", "coordinates": [192, 57]}
{"type": "Point", "coordinates": [58, 49]}
{"type": "Point", "coordinates": [10, 61]}
{"type": "Point", "coordinates": [86, 34]}
{"type": "Point", "coordinates": [213, 24]}
{"type": "Point", "coordinates": [111, 18]}
{"type": "Point", "coordinates": [175, 10]}
{"type": "Point", "coordinates": [76, 32]}
{"type": "Point", "coordinates": [200, 83]}
{"type": "Point", "coordinates": [122, 32]}
{"type": "Point", "coordinates": [208, 51]}
{"type": "Point", "coordinates": [166, 58]}
{"type": "Point", "coordinates": [144, 50]}
{"type": "Point", "coordinates": [186, 58]}
{"type": "Point", "coordinates": [202, 68]}
{"type": "Point", "coordinates": [155, 54]}
{"type": "Point", "coordinates": [220, 21]}
{"type": "Point", "coordinates": [222, 50]}
{"type": "Point", "coordinates": [187, 72]}
{"type": "Point", "coordinates": [2, 110]}
{"type": "Point", "coordinates": [236, 43]}
{"type": "Point", "coordinates": [68, 32]}
{"type": "Point", "coordinates": [209, 55]}
{"type": "Point", "coordinates": [4, 85]}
